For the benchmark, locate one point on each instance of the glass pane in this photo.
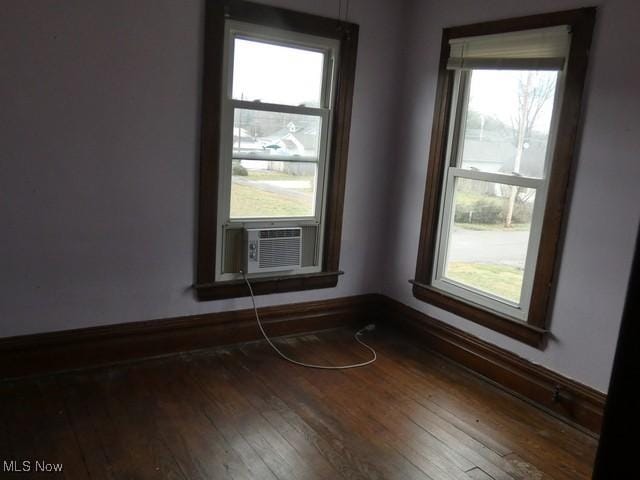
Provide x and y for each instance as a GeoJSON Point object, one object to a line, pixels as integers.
{"type": "Point", "coordinates": [276, 74]}
{"type": "Point", "coordinates": [265, 189]}
{"type": "Point", "coordinates": [488, 242]}
{"type": "Point", "coordinates": [508, 121]}
{"type": "Point", "coordinates": [264, 134]}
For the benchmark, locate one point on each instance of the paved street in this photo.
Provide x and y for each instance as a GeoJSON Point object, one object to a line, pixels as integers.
{"type": "Point", "coordinates": [491, 246]}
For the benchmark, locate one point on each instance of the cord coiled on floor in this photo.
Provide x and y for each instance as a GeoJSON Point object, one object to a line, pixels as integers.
{"type": "Point", "coordinates": [311, 365]}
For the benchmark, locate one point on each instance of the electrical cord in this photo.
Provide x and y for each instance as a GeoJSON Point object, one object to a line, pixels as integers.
{"type": "Point", "coordinates": [369, 328]}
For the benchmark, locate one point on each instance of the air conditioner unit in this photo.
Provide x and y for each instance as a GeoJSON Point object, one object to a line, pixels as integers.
{"type": "Point", "coordinates": [273, 249]}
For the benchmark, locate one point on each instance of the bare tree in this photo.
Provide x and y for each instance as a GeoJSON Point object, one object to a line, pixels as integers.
{"type": "Point", "coordinates": [534, 90]}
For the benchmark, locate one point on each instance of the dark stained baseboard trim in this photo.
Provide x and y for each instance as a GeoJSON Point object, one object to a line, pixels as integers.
{"type": "Point", "coordinates": [559, 395]}
{"type": "Point", "coordinates": [89, 347]}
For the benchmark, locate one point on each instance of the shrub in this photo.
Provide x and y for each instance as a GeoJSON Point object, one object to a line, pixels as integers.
{"type": "Point", "coordinates": [479, 211]}
{"type": "Point", "coordinates": [237, 169]}
{"type": "Point", "coordinates": [522, 212]}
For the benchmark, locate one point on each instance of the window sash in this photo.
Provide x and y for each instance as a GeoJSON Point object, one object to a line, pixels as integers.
{"type": "Point", "coordinates": [229, 105]}
{"type": "Point", "coordinates": [278, 107]}
{"type": "Point", "coordinates": [504, 178]}
{"type": "Point", "coordinates": [236, 33]}
{"type": "Point", "coordinates": [320, 187]}
{"type": "Point", "coordinates": [228, 157]}
{"type": "Point", "coordinates": [458, 116]}
{"type": "Point", "coordinates": [323, 113]}
{"type": "Point", "coordinates": [273, 36]}
{"type": "Point", "coordinates": [275, 159]}
{"type": "Point", "coordinates": [486, 300]}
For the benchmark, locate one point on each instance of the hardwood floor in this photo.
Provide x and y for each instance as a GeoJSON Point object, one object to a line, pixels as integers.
{"type": "Point", "coordinates": [242, 413]}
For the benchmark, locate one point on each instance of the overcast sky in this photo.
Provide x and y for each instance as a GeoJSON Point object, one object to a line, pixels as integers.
{"type": "Point", "coordinates": [276, 74]}
{"type": "Point", "coordinates": [495, 93]}
{"type": "Point", "coordinates": [292, 76]}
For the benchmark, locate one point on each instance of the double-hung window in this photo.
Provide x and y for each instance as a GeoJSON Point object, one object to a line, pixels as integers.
{"type": "Point", "coordinates": [276, 115]}
{"type": "Point", "coordinates": [499, 171]}
{"type": "Point", "coordinates": [502, 132]}
{"type": "Point", "coordinates": [274, 150]}
{"type": "Point", "coordinates": [275, 137]}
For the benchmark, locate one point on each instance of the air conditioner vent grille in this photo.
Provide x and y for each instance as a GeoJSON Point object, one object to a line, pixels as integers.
{"type": "Point", "coordinates": [280, 233]}
{"type": "Point", "coordinates": [280, 252]}
{"type": "Point", "coordinates": [273, 249]}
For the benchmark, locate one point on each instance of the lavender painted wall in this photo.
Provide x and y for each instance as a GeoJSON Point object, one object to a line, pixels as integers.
{"type": "Point", "coordinates": [99, 124]}
{"type": "Point", "coordinates": [98, 160]}
{"type": "Point", "coordinates": [604, 206]}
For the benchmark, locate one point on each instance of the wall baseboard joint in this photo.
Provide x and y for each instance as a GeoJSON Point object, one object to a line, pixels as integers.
{"type": "Point", "coordinates": [555, 393]}
{"type": "Point", "coordinates": [89, 347]}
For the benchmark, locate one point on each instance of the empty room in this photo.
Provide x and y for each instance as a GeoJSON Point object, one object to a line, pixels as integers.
{"type": "Point", "coordinates": [319, 239]}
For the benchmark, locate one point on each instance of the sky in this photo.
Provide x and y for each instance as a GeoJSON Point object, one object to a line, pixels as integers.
{"type": "Point", "coordinates": [276, 74]}
{"type": "Point", "coordinates": [293, 76]}
{"type": "Point", "coordinates": [495, 93]}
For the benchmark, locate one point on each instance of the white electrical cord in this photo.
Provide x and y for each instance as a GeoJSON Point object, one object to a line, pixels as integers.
{"type": "Point", "coordinates": [310, 365]}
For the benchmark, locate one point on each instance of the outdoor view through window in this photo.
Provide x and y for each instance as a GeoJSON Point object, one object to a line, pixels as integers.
{"type": "Point", "coordinates": [496, 173]}
{"type": "Point", "coordinates": [278, 133]}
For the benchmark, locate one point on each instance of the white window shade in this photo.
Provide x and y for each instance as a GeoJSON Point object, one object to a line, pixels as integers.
{"type": "Point", "coordinates": [539, 49]}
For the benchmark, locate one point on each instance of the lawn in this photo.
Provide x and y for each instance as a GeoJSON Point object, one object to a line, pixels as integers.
{"type": "Point", "coordinates": [502, 280]}
{"type": "Point", "coordinates": [271, 175]}
{"type": "Point", "coordinates": [247, 201]}
{"type": "Point", "coordinates": [494, 226]}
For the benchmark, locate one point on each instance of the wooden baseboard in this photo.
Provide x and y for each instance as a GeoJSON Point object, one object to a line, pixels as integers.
{"type": "Point", "coordinates": [88, 347]}
{"type": "Point", "coordinates": [567, 398]}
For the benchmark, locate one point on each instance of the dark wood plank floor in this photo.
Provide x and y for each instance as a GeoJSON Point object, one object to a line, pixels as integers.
{"type": "Point", "coordinates": [242, 413]}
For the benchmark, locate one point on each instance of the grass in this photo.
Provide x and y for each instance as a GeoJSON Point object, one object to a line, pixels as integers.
{"type": "Point", "coordinates": [494, 226]}
{"type": "Point", "coordinates": [502, 280]}
{"type": "Point", "coordinates": [247, 201]}
{"type": "Point", "coordinates": [269, 175]}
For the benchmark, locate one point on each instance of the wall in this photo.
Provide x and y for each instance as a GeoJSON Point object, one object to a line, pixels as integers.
{"type": "Point", "coordinates": [98, 158]}
{"type": "Point", "coordinates": [605, 202]}
{"type": "Point", "coordinates": [99, 129]}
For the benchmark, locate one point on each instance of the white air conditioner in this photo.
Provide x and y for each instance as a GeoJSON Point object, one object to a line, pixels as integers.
{"type": "Point", "coordinates": [273, 249]}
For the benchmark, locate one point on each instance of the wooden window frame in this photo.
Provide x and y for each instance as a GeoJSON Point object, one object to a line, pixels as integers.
{"type": "Point", "coordinates": [216, 13]}
{"type": "Point", "coordinates": [531, 332]}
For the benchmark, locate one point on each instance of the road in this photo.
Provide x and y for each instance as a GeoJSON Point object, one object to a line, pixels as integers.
{"type": "Point", "coordinates": [506, 247]}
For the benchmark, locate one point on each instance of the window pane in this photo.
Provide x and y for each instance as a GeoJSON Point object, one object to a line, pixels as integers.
{"type": "Point", "coordinates": [508, 121]}
{"type": "Point", "coordinates": [276, 74]}
{"type": "Point", "coordinates": [265, 189]}
{"type": "Point", "coordinates": [263, 134]}
{"type": "Point", "coordinates": [490, 233]}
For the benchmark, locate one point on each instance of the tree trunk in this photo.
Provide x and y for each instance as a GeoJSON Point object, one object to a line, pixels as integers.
{"type": "Point", "coordinates": [522, 128]}
{"type": "Point", "coordinates": [510, 206]}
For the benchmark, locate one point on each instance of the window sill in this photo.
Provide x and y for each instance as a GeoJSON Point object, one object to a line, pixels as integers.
{"type": "Point", "coordinates": [266, 285]}
{"type": "Point", "coordinates": [520, 331]}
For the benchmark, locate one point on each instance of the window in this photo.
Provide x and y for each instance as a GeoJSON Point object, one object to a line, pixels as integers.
{"type": "Point", "coordinates": [276, 111]}
{"type": "Point", "coordinates": [507, 113]}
